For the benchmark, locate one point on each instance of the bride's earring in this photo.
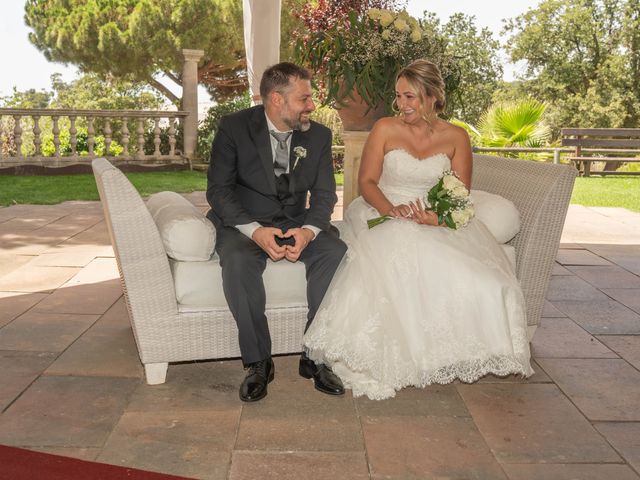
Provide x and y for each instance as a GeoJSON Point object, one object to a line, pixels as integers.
{"type": "Point", "coordinates": [431, 115]}
{"type": "Point", "coordinates": [394, 106]}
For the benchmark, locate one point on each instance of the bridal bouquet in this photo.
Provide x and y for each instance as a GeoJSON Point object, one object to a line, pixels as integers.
{"type": "Point", "coordinates": [449, 199]}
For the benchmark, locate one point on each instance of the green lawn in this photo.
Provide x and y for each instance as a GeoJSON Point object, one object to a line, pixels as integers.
{"type": "Point", "coordinates": [47, 190]}
{"type": "Point", "coordinates": [593, 191]}
{"type": "Point", "coordinates": [607, 192]}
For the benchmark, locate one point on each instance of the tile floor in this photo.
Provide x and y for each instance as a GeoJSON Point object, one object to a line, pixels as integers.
{"type": "Point", "coordinates": [71, 382]}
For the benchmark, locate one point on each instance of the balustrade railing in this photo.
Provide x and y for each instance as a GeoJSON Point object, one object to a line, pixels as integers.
{"type": "Point", "coordinates": [55, 138]}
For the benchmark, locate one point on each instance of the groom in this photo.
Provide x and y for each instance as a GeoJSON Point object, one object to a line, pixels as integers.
{"type": "Point", "coordinates": [265, 160]}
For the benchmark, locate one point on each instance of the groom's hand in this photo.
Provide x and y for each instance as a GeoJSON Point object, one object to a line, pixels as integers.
{"type": "Point", "coordinates": [303, 237]}
{"type": "Point", "coordinates": [265, 237]}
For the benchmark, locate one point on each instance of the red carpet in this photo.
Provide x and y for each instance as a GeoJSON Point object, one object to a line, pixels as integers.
{"type": "Point", "coordinates": [21, 464]}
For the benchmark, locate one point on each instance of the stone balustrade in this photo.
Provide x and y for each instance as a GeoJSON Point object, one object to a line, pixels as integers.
{"type": "Point", "coordinates": [72, 137]}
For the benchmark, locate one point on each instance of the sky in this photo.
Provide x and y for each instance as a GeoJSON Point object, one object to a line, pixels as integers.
{"type": "Point", "coordinates": [25, 67]}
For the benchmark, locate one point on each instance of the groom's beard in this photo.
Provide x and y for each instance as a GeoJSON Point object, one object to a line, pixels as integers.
{"type": "Point", "coordinates": [298, 123]}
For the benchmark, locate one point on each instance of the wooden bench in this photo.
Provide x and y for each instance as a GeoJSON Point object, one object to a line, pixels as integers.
{"type": "Point", "coordinates": [610, 145]}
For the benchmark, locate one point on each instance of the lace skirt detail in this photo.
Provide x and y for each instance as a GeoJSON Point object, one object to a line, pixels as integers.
{"type": "Point", "coordinates": [413, 305]}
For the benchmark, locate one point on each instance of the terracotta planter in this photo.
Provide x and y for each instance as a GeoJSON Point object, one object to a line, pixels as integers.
{"type": "Point", "coordinates": [354, 113]}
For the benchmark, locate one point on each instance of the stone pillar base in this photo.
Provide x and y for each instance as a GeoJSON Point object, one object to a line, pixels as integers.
{"type": "Point", "coordinates": [353, 144]}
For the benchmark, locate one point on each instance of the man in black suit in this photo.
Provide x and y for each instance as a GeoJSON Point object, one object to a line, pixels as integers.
{"type": "Point", "coordinates": [265, 160]}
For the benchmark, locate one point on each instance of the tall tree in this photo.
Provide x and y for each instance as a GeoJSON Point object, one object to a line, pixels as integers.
{"type": "Point", "coordinates": [138, 40]}
{"type": "Point", "coordinates": [477, 59]}
{"type": "Point", "coordinates": [582, 58]}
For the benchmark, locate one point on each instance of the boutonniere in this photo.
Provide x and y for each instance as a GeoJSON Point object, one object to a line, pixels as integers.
{"type": "Point", "coordinates": [300, 153]}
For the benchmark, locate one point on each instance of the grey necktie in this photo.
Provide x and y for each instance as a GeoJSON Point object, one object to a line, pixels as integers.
{"type": "Point", "coordinates": [282, 152]}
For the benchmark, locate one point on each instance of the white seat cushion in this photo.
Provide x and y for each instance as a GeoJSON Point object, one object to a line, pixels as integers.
{"type": "Point", "coordinates": [500, 215]}
{"type": "Point", "coordinates": [199, 284]}
{"type": "Point", "coordinates": [186, 233]}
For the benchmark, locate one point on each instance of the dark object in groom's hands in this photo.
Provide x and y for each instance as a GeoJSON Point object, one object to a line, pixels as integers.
{"type": "Point", "coordinates": [291, 241]}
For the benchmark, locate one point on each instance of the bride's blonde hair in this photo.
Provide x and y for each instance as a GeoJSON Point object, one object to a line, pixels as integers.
{"type": "Point", "coordinates": [425, 79]}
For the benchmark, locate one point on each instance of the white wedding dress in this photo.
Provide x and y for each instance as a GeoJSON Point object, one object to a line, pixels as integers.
{"type": "Point", "coordinates": [415, 304]}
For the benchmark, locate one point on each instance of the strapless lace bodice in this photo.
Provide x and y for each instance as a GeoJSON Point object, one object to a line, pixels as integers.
{"type": "Point", "coordinates": [405, 177]}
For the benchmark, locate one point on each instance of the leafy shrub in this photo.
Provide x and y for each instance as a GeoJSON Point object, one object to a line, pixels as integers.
{"type": "Point", "coordinates": [209, 126]}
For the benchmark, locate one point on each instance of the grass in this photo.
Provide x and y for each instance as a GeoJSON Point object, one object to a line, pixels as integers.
{"type": "Point", "coordinates": [49, 190]}
{"type": "Point", "coordinates": [607, 192]}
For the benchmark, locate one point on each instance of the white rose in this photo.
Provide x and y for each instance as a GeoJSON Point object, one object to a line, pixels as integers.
{"type": "Point", "coordinates": [460, 191]}
{"type": "Point", "coordinates": [450, 182]}
{"type": "Point", "coordinates": [416, 35]}
{"type": "Point", "coordinates": [386, 18]}
{"type": "Point", "coordinates": [462, 217]}
{"type": "Point", "coordinates": [401, 25]}
{"type": "Point", "coordinates": [374, 13]}
{"type": "Point", "coordinates": [386, 34]}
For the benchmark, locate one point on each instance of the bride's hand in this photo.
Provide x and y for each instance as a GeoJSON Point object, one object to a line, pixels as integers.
{"type": "Point", "coordinates": [400, 211]}
{"type": "Point", "coordinates": [422, 216]}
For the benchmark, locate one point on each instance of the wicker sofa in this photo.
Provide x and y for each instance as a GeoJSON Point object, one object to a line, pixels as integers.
{"type": "Point", "coordinates": [168, 330]}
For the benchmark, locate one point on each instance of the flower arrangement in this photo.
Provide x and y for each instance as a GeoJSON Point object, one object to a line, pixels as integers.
{"type": "Point", "coordinates": [449, 199]}
{"type": "Point", "coordinates": [363, 51]}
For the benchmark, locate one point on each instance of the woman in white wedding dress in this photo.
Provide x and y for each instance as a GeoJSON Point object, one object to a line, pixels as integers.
{"type": "Point", "coordinates": [415, 303]}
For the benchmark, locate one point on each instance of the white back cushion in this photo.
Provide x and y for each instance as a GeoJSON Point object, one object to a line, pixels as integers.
{"type": "Point", "coordinates": [499, 215]}
{"type": "Point", "coordinates": [186, 233]}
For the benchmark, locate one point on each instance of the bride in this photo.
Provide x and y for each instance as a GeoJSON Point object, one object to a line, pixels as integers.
{"type": "Point", "coordinates": [414, 302]}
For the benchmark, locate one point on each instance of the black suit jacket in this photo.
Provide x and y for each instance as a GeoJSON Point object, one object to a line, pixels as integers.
{"type": "Point", "coordinates": [241, 184]}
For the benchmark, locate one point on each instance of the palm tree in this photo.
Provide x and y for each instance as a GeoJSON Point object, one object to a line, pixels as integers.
{"type": "Point", "coordinates": [510, 124]}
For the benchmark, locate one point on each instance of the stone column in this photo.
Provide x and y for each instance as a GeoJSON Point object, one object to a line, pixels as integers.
{"type": "Point", "coordinates": [190, 100]}
{"type": "Point", "coordinates": [353, 144]}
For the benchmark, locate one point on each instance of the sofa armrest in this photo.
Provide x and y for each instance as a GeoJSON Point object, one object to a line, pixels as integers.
{"type": "Point", "coordinates": [142, 261]}
{"type": "Point", "coordinates": [541, 192]}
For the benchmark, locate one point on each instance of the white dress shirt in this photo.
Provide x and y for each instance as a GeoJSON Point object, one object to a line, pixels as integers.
{"type": "Point", "coordinates": [248, 228]}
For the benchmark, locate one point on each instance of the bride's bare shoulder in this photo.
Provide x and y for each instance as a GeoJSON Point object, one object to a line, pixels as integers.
{"type": "Point", "coordinates": [453, 132]}
{"type": "Point", "coordinates": [387, 122]}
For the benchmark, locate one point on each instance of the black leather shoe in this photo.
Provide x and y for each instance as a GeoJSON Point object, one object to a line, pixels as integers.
{"type": "Point", "coordinates": [259, 375]}
{"type": "Point", "coordinates": [323, 378]}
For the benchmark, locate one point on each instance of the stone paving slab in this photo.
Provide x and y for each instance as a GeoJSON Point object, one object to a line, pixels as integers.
{"type": "Point", "coordinates": [14, 304]}
{"type": "Point", "coordinates": [193, 444]}
{"type": "Point", "coordinates": [10, 262]}
{"type": "Point", "coordinates": [18, 370]}
{"type": "Point", "coordinates": [428, 447]}
{"type": "Point", "coordinates": [626, 346]}
{"type": "Point", "coordinates": [563, 338]}
{"type": "Point", "coordinates": [570, 472]}
{"type": "Point", "coordinates": [603, 389]}
{"type": "Point", "coordinates": [44, 332]}
{"type": "Point", "coordinates": [66, 412]}
{"type": "Point", "coordinates": [629, 297]}
{"type": "Point", "coordinates": [30, 279]}
{"type": "Point", "coordinates": [88, 399]}
{"type": "Point", "coordinates": [601, 316]}
{"type": "Point", "coordinates": [625, 437]}
{"type": "Point", "coordinates": [603, 277]}
{"type": "Point", "coordinates": [534, 424]}
{"type": "Point", "coordinates": [91, 298]}
{"type": "Point", "coordinates": [251, 465]}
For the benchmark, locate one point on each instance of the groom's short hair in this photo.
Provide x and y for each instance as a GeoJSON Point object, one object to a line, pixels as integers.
{"type": "Point", "coordinates": [276, 78]}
